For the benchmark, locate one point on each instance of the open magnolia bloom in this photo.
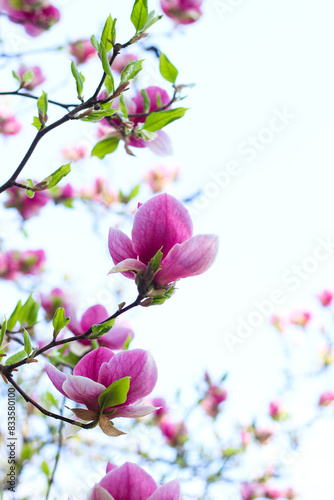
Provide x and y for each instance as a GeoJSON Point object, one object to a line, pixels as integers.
{"type": "Point", "coordinates": [162, 223]}
{"type": "Point", "coordinates": [131, 482]}
{"type": "Point", "coordinates": [108, 384]}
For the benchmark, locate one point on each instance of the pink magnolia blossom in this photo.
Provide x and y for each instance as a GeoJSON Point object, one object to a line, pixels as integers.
{"type": "Point", "coordinates": [100, 193]}
{"type": "Point", "coordinates": [8, 123]}
{"type": "Point", "coordinates": [278, 322]}
{"type": "Point", "coordinates": [32, 262]}
{"type": "Point", "coordinates": [27, 207]}
{"type": "Point", "coordinates": [131, 482]}
{"type": "Point", "coordinates": [277, 412]}
{"type": "Point", "coordinates": [161, 144]}
{"type": "Point", "coordinates": [76, 152]}
{"type": "Point", "coordinates": [37, 79]}
{"type": "Point", "coordinates": [162, 408]}
{"type": "Point", "coordinates": [162, 223]}
{"type": "Point", "coordinates": [35, 16]}
{"type": "Point", "coordinates": [326, 398]}
{"type": "Point", "coordinates": [327, 355]}
{"type": "Point", "coordinates": [121, 61]}
{"type": "Point", "coordinates": [98, 369]}
{"type": "Point", "coordinates": [300, 318]}
{"type": "Point", "coordinates": [13, 263]}
{"type": "Point", "coordinates": [176, 433]}
{"type": "Point", "coordinates": [263, 435]}
{"type": "Point", "coordinates": [50, 303]}
{"type": "Point", "coordinates": [325, 298]}
{"type": "Point", "coordinates": [214, 397]}
{"type": "Point", "coordinates": [182, 11]}
{"type": "Point", "coordinates": [82, 50]}
{"type": "Point", "coordinates": [115, 339]}
{"type": "Point", "coordinates": [159, 177]}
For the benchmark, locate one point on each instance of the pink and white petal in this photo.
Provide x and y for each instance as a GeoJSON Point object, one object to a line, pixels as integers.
{"type": "Point", "coordinates": [160, 222]}
{"type": "Point", "coordinates": [161, 145]}
{"type": "Point", "coordinates": [132, 411]}
{"type": "Point", "coordinates": [191, 258]}
{"type": "Point", "coordinates": [137, 364]}
{"type": "Point", "coordinates": [89, 366]}
{"type": "Point", "coordinates": [56, 376]}
{"type": "Point", "coordinates": [84, 391]}
{"type": "Point", "coordinates": [120, 246]}
{"type": "Point", "coordinates": [110, 467]}
{"type": "Point", "coordinates": [99, 493]}
{"type": "Point", "coordinates": [169, 491]}
{"type": "Point", "coordinates": [93, 316]}
{"type": "Point", "coordinates": [129, 482]}
{"type": "Point", "coordinates": [116, 338]}
{"type": "Point", "coordinates": [128, 267]}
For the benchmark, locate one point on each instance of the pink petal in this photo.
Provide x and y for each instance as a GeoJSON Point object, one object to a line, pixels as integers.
{"type": "Point", "coordinates": [57, 377]}
{"type": "Point", "coordinates": [120, 248]}
{"type": "Point", "coordinates": [128, 267]}
{"type": "Point", "coordinates": [132, 411]}
{"type": "Point", "coordinates": [129, 482]}
{"type": "Point", "coordinates": [160, 222]}
{"type": "Point", "coordinates": [169, 491]}
{"type": "Point", "coordinates": [110, 467]}
{"type": "Point", "coordinates": [191, 258]}
{"type": "Point", "coordinates": [89, 366]}
{"type": "Point", "coordinates": [116, 338]}
{"type": "Point", "coordinates": [93, 316]}
{"type": "Point", "coordinates": [99, 493]}
{"type": "Point", "coordinates": [161, 145]}
{"type": "Point", "coordinates": [137, 364]}
{"type": "Point", "coordinates": [83, 390]}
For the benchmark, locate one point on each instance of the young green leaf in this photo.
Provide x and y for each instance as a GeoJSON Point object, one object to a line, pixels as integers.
{"type": "Point", "coordinates": [156, 261]}
{"type": "Point", "coordinates": [3, 331]}
{"type": "Point", "coordinates": [94, 41]}
{"type": "Point", "coordinates": [42, 106]}
{"type": "Point", "coordinates": [158, 120]}
{"type": "Point", "coordinates": [122, 105]}
{"type": "Point", "coordinates": [27, 343]}
{"type": "Point", "coordinates": [105, 147]}
{"type": "Point", "coordinates": [30, 193]}
{"type": "Point", "coordinates": [115, 394]}
{"type": "Point", "coordinates": [96, 116]}
{"type": "Point", "coordinates": [45, 468]}
{"type": "Point", "coordinates": [146, 99]}
{"type": "Point", "coordinates": [101, 329]}
{"type": "Point", "coordinates": [107, 33]}
{"type": "Point", "coordinates": [151, 19]}
{"type": "Point", "coordinates": [167, 70]}
{"type": "Point", "coordinates": [59, 321]}
{"type": "Point", "coordinates": [105, 61]}
{"type": "Point", "coordinates": [131, 70]}
{"type": "Point", "coordinates": [16, 76]}
{"type": "Point", "coordinates": [79, 79]}
{"type": "Point", "coordinates": [139, 14]}
{"type": "Point", "coordinates": [36, 123]}
{"type": "Point", "coordinates": [13, 318]}
{"type": "Point", "coordinates": [109, 83]}
{"type": "Point", "coordinates": [53, 179]}
{"type": "Point", "coordinates": [16, 358]}
{"type": "Point", "coordinates": [28, 312]}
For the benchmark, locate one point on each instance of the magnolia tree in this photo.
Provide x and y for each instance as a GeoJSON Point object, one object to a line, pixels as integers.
{"type": "Point", "coordinates": [67, 368]}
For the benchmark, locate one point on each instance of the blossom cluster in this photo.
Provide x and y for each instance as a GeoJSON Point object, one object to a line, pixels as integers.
{"type": "Point", "coordinates": [36, 16]}
{"type": "Point", "coordinates": [14, 264]}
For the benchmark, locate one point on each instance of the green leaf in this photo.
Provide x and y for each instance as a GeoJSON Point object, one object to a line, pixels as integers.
{"type": "Point", "coordinates": [53, 179]}
{"type": "Point", "coordinates": [147, 101]}
{"type": "Point", "coordinates": [131, 70]}
{"type": "Point", "coordinates": [139, 14]}
{"type": "Point", "coordinates": [96, 116]}
{"type": "Point", "coordinates": [59, 321]}
{"type": "Point", "coordinates": [27, 343]}
{"type": "Point", "coordinates": [156, 261]}
{"type": "Point", "coordinates": [3, 331]}
{"type": "Point", "coordinates": [152, 19]}
{"type": "Point", "coordinates": [167, 70]}
{"type": "Point", "coordinates": [109, 83]}
{"type": "Point", "coordinates": [160, 119]}
{"type": "Point", "coordinates": [101, 329]}
{"type": "Point", "coordinates": [36, 123]}
{"type": "Point", "coordinates": [27, 77]}
{"type": "Point", "coordinates": [127, 343]}
{"type": "Point", "coordinates": [45, 468]}
{"type": "Point", "coordinates": [16, 358]}
{"type": "Point", "coordinates": [30, 193]}
{"type": "Point", "coordinates": [107, 33]}
{"type": "Point", "coordinates": [94, 41]}
{"type": "Point", "coordinates": [16, 76]}
{"type": "Point", "coordinates": [105, 147]}
{"type": "Point", "coordinates": [24, 313]}
{"type": "Point", "coordinates": [115, 394]}
{"type": "Point", "coordinates": [13, 318]}
{"type": "Point", "coordinates": [42, 104]}
{"type": "Point", "coordinates": [105, 61]}
{"type": "Point", "coordinates": [122, 105]}
{"type": "Point", "coordinates": [79, 79]}
{"type": "Point", "coordinates": [134, 191]}
{"type": "Point", "coordinates": [160, 299]}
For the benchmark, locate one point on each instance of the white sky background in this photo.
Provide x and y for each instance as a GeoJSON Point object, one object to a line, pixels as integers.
{"type": "Point", "coordinates": [248, 62]}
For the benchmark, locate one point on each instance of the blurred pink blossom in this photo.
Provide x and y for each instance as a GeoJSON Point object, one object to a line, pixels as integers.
{"type": "Point", "coordinates": [82, 50]}
{"type": "Point", "coordinates": [8, 123]}
{"type": "Point", "coordinates": [14, 263]}
{"type": "Point", "coordinates": [326, 398]}
{"type": "Point", "coordinates": [75, 153]}
{"type": "Point", "coordinates": [300, 318]}
{"type": "Point", "coordinates": [182, 11]}
{"type": "Point", "coordinates": [37, 79]}
{"type": "Point", "coordinates": [50, 302]}
{"type": "Point", "coordinates": [27, 207]}
{"type": "Point", "coordinates": [176, 433]}
{"type": "Point", "coordinates": [35, 16]}
{"type": "Point", "coordinates": [325, 298]}
{"type": "Point", "coordinates": [100, 193]}
{"type": "Point", "coordinates": [121, 61]}
{"type": "Point", "coordinates": [163, 174]}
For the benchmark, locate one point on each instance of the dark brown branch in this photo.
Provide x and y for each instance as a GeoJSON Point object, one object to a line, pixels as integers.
{"type": "Point", "coordinates": [30, 96]}
{"type": "Point", "coordinates": [59, 448]}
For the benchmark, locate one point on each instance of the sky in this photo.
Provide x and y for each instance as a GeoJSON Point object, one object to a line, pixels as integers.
{"type": "Point", "coordinates": [257, 141]}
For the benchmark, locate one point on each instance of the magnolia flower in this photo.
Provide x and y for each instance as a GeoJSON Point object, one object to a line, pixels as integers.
{"type": "Point", "coordinates": [76, 152]}
{"type": "Point", "coordinates": [131, 482]}
{"type": "Point", "coordinates": [100, 368]}
{"type": "Point", "coordinates": [100, 193]}
{"type": "Point", "coordinates": [326, 398]}
{"type": "Point", "coordinates": [214, 397]}
{"type": "Point", "coordinates": [158, 97]}
{"type": "Point", "coordinates": [121, 61]}
{"type": "Point", "coordinates": [37, 79]}
{"type": "Point", "coordinates": [182, 11]}
{"type": "Point", "coordinates": [27, 207]}
{"type": "Point", "coordinates": [161, 405]}
{"type": "Point", "coordinates": [277, 412]}
{"type": "Point", "coordinates": [115, 339]}
{"type": "Point", "coordinates": [82, 50]}
{"type": "Point", "coordinates": [14, 263]}
{"type": "Point", "coordinates": [325, 298]}
{"type": "Point", "coordinates": [162, 223]}
{"type": "Point", "coordinates": [35, 16]}
{"type": "Point", "coordinates": [50, 303]}
{"type": "Point", "coordinates": [300, 318]}
{"type": "Point", "coordinates": [8, 123]}
{"type": "Point", "coordinates": [161, 175]}
{"type": "Point", "coordinates": [176, 433]}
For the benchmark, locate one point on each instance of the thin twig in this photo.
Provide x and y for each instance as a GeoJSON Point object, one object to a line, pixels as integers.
{"type": "Point", "coordinates": [57, 457]}
{"type": "Point", "coordinates": [31, 96]}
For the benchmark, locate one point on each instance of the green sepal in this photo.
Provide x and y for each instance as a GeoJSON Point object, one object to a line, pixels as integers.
{"type": "Point", "coordinates": [115, 394]}
{"type": "Point", "coordinates": [156, 261]}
